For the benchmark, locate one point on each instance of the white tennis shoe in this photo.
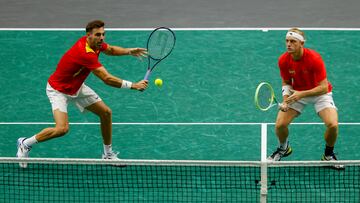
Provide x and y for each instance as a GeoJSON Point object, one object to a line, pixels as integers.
{"type": "Point", "coordinates": [279, 154]}
{"type": "Point", "coordinates": [112, 156]}
{"type": "Point", "coordinates": [23, 151]}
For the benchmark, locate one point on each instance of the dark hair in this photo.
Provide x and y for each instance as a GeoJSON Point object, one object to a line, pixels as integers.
{"type": "Point", "coordinates": [94, 24]}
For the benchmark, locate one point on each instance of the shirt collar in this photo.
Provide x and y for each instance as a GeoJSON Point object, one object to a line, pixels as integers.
{"type": "Point", "coordinates": [89, 49]}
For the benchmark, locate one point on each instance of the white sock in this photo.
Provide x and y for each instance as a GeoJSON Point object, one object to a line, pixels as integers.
{"type": "Point", "coordinates": [107, 149]}
{"type": "Point", "coordinates": [30, 141]}
{"type": "Point", "coordinates": [284, 145]}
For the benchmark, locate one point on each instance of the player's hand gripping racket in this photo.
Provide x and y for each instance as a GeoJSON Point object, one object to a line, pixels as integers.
{"type": "Point", "coordinates": [159, 46]}
{"type": "Point", "coordinates": [265, 97]}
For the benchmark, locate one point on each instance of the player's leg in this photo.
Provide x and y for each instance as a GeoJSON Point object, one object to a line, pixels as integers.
{"type": "Point", "coordinates": [104, 112]}
{"type": "Point", "coordinates": [327, 111]}
{"type": "Point", "coordinates": [282, 132]}
{"type": "Point", "coordinates": [330, 118]}
{"type": "Point", "coordinates": [59, 104]}
{"type": "Point", "coordinates": [88, 100]}
{"type": "Point", "coordinates": [282, 122]}
{"type": "Point", "coordinates": [60, 129]}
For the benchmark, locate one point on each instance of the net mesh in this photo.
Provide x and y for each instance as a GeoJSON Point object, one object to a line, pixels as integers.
{"type": "Point", "coordinates": [133, 183]}
{"type": "Point", "coordinates": [94, 182]}
{"type": "Point", "coordinates": [313, 184]}
{"type": "Point", "coordinates": [160, 43]}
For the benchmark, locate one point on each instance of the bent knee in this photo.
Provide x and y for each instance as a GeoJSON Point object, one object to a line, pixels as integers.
{"type": "Point", "coordinates": [60, 131]}
{"type": "Point", "coordinates": [106, 113]}
{"type": "Point", "coordinates": [332, 125]}
{"type": "Point", "coordinates": [281, 125]}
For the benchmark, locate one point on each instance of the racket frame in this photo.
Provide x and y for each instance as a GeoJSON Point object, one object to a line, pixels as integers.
{"type": "Point", "coordinates": [273, 100]}
{"type": "Point", "coordinates": [150, 58]}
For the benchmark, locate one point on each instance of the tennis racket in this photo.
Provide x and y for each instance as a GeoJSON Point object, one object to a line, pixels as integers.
{"type": "Point", "coordinates": [265, 97]}
{"type": "Point", "coordinates": [159, 46]}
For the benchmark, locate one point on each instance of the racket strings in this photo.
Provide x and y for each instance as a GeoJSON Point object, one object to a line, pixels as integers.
{"type": "Point", "coordinates": [160, 44]}
{"type": "Point", "coordinates": [265, 97]}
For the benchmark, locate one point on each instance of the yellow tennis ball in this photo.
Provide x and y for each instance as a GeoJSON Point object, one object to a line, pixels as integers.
{"type": "Point", "coordinates": [158, 82]}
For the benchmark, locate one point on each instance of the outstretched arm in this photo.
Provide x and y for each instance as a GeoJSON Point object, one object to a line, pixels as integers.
{"type": "Point", "coordinates": [119, 51]}
{"type": "Point", "coordinates": [113, 81]}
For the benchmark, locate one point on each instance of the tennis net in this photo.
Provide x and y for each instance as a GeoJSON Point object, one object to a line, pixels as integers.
{"type": "Point", "coordinates": [90, 180]}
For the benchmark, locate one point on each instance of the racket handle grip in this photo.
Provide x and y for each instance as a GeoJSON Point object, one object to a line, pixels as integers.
{"type": "Point", "coordinates": [147, 74]}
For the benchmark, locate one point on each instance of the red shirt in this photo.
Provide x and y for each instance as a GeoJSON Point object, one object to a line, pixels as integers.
{"type": "Point", "coordinates": [304, 74]}
{"type": "Point", "coordinates": [74, 67]}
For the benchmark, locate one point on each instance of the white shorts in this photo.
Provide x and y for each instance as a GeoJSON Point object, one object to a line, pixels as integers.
{"type": "Point", "coordinates": [84, 97]}
{"type": "Point", "coordinates": [320, 102]}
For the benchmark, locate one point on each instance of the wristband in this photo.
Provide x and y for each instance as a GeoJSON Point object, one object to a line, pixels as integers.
{"type": "Point", "coordinates": [126, 84]}
{"type": "Point", "coordinates": [286, 90]}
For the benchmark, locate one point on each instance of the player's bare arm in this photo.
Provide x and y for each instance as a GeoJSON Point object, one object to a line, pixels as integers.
{"type": "Point", "coordinates": [113, 81]}
{"type": "Point", "coordinates": [321, 89]}
{"type": "Point", "coordinates": [119, 51]}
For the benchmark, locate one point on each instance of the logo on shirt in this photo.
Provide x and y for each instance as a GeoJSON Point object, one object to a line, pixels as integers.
{"type": "Point", "coordinates": [292, 72]}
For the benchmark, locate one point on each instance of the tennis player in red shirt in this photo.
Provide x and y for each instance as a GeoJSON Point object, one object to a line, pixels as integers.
{"type": "Point", "coordinates": [66, 85]}
{"type": "Point", "coordinates": [304, 82]}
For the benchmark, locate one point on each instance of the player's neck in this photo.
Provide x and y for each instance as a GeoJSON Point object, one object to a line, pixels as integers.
{"type": "Point", "coordinates": [297, 55]}
{"type": "Point", "coordinates": [93, 47]}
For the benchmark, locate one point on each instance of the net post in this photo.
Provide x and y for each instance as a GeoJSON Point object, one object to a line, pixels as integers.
{"type": "Point", "coordinates": [263, 190]}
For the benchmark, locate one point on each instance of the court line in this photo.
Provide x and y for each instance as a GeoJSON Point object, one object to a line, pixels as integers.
{"type": "Point", "coordinates": [169, 123]}
{"type": "Point", "coordinates": [181, 29]}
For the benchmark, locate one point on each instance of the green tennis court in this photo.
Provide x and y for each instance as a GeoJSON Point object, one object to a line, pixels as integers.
{"type": "Point", "coordinates": [210, 78]}
{"type": "Point", "coordinates": [204, 111]}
